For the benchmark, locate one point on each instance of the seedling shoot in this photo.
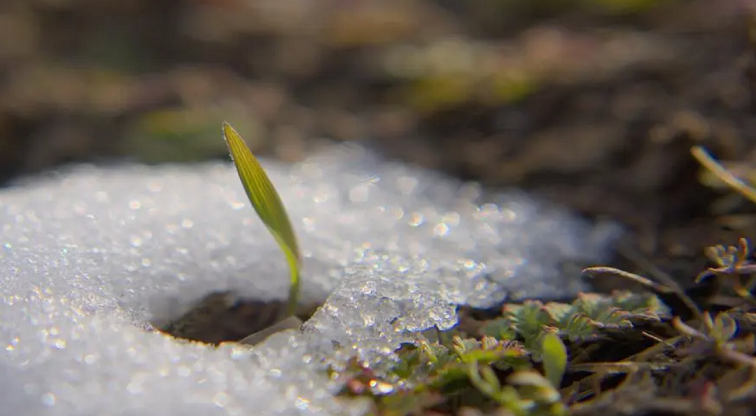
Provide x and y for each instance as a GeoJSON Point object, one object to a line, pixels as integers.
{"type": "Point", "coordinates": [267, 203]}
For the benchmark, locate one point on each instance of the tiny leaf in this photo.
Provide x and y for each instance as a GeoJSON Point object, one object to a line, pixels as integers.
{"type": "Point", "coordinates": [554, 355]}
{"type": "Point", "coordinates": [266, 202]}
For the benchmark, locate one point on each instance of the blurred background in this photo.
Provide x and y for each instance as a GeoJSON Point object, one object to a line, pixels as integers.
{"type": "Point", "coordinates": [589, 103]}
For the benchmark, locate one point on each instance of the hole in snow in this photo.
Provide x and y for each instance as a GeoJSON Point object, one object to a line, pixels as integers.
{"type": "Point", "coordinates": [225, 317]}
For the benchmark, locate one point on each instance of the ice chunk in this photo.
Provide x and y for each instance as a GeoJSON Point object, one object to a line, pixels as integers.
{"type": "Point", "coordinates": [92, 256]}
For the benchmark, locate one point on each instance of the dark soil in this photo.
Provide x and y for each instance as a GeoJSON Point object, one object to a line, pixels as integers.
{"type": "Point", "coordinates": [218, 317]}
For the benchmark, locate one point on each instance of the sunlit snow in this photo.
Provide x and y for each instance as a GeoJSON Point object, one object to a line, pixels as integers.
{"type": "Point", "coordinates": [92, 256]}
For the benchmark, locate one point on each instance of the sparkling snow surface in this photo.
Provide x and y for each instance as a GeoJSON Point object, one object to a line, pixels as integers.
{"type": "Point", "coordinates": [92, 256]}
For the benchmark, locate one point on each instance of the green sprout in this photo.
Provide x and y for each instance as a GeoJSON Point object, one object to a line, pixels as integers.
{"type": "Point", "coordinates": [264, 198]}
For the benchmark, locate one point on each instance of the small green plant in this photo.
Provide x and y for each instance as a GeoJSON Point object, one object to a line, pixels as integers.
{"type": "Point", "coordinates": [267, 203]}
{"type": "Point", "coordinates": [583, 319]}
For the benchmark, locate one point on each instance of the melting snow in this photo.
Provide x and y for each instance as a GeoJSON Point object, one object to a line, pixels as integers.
{"type": "Point", "coordinates": [92, 256]}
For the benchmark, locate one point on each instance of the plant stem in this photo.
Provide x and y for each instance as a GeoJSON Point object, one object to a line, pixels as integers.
{"type": "Point", "coordinates": [291, 308]}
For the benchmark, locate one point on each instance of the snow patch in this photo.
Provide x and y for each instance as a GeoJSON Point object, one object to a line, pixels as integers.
{"type": "Point", "coordinates": [92, 255]}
